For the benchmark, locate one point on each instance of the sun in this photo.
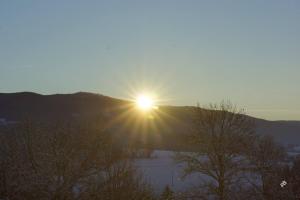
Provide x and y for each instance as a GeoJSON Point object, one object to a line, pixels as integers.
{"type": "Point", "coordinates": [145, 102]}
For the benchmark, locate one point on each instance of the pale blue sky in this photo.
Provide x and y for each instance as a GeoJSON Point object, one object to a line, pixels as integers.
{"type": "Point", "coordinates": [187, 51]}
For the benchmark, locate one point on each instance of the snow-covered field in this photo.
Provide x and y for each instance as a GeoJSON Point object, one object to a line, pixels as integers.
{"type": "Point", "coordinates": [160, 171]}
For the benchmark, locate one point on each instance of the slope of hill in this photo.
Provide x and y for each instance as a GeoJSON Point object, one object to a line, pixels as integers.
{"type": "Point", "coordinates": [166, 125]}
{"type": "Point", "coordinates": [17, 106]}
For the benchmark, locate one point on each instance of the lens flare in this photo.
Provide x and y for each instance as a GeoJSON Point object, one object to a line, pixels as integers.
{"type": "Point", "coordinates": [145, 102]}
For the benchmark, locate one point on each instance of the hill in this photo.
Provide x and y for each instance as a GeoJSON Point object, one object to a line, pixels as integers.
{"type": "Point", "coordinates": [162, 128]}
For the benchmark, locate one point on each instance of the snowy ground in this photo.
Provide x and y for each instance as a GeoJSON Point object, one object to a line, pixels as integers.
{"type": "Point", "coordinates": [161, 171]}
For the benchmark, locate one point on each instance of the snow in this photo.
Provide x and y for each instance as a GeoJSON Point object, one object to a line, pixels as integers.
{"type": "Point", "coordinates": [161, 170]}
{"type": "Point", "coordinates": [2, 121]}
{"type": "Point", "coordinates": [296, 148]}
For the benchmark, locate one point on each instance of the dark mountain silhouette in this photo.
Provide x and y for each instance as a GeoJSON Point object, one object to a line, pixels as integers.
{"type": "Point", "coordinates": [17, 106]}
{"type": "Point", "coordinates": [167, 124]}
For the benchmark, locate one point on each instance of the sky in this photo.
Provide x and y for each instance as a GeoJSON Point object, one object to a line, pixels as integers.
{"type": "Point", "coordinates": [184, 51]}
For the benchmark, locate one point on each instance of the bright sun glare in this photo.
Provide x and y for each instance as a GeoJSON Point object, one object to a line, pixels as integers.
{"type": "Point", "coordinates": [145, 102]}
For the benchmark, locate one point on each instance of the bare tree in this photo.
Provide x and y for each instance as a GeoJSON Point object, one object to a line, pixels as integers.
{"type": "Point", "coordinates": [66, 161]}
{"type": "Point", "coordinates": [221, 134]}
{"type": "Point", "coordinates": [266, 162]}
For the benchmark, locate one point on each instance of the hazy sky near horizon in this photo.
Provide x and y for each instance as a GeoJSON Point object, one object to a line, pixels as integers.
{"type": "Point", "coordinates": [186, 51]}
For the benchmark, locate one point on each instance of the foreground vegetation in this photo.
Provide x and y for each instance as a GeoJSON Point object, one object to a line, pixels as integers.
{"type": "Point", "coordinates": [66, 161]}
{"type": "Point", "coordinates": [239, 164]}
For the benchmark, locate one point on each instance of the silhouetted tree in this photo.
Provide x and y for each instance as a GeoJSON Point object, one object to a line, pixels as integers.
{"type": "Point", "coordinates": [221, 134]}
{"type": "Point", "coordinates": [266, 158]}
{"type": "Point", "coordinates": [65, 162]}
